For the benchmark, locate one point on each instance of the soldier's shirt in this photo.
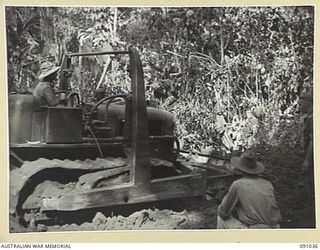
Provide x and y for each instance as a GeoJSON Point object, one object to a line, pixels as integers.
{"type": "Point", "coordinates": [254, 201]}
{"type": "Point", "coordinates": [45, 93]}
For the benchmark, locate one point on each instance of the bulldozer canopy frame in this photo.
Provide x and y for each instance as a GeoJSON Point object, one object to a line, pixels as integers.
{"type": "Point", "coordinates": [139, 153]}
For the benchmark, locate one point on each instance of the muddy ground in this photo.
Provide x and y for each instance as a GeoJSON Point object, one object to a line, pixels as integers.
{"type": "Point", "coordinates": [283, 169]}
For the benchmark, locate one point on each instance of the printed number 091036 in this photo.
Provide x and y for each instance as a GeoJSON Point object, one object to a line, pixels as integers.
{"type": "Point", "coordinates": [313, 246]}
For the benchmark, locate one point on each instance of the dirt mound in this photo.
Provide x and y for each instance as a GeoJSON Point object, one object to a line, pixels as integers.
{"type": "Point", "coordinates": [284, 170]}
{"type": "Point", "coordinates": [146, 219]}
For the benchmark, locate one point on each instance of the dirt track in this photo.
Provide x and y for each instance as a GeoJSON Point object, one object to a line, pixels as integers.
{"type": "Point", "coordinates": [283, 169]}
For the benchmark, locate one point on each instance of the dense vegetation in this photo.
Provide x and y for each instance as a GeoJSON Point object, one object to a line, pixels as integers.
{"type": "Point", "coordinates": [231, 76]}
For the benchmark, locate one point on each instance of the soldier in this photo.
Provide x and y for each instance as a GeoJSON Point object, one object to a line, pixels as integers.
{"type": "Point", "coordinates": [44, 90]}
{"type": "Point", "coordinates": [250, 201]}
{"type": "Point", "coordinates": [306, 109]}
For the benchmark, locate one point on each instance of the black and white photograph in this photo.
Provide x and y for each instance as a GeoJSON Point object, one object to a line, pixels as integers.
{"type": "Point", "coordinates": [160, 118]}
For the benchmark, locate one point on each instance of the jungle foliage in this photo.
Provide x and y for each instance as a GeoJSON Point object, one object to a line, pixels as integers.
{"type": "Point", "coordinates": [231, 76]}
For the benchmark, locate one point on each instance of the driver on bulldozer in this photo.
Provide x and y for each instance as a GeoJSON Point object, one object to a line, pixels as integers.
{"type": "Point", "coordinates": [44, 90]}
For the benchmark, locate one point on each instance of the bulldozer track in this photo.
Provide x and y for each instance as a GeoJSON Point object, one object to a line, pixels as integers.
{"type": "Point", "coordinates": [24, 180]}
{"type": "Point", "coordinates": [44, 178]}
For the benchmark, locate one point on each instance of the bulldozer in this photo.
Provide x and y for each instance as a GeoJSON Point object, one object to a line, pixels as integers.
{"type": "Point", "coordinates": [84, 156]}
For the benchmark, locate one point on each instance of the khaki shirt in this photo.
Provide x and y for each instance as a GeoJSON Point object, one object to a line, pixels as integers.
{"type": "Point", "coordinates": [45, 93]}
{"type": "Point", "coordinates": [254, 201]}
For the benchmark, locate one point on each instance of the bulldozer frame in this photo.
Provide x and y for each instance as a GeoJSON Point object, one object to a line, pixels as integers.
{"type": "Point", "coordinates": [141, 188]}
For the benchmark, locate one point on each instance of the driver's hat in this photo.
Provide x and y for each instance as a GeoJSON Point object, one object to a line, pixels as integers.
{"type": "Point", "coordinates": [46, 69]}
